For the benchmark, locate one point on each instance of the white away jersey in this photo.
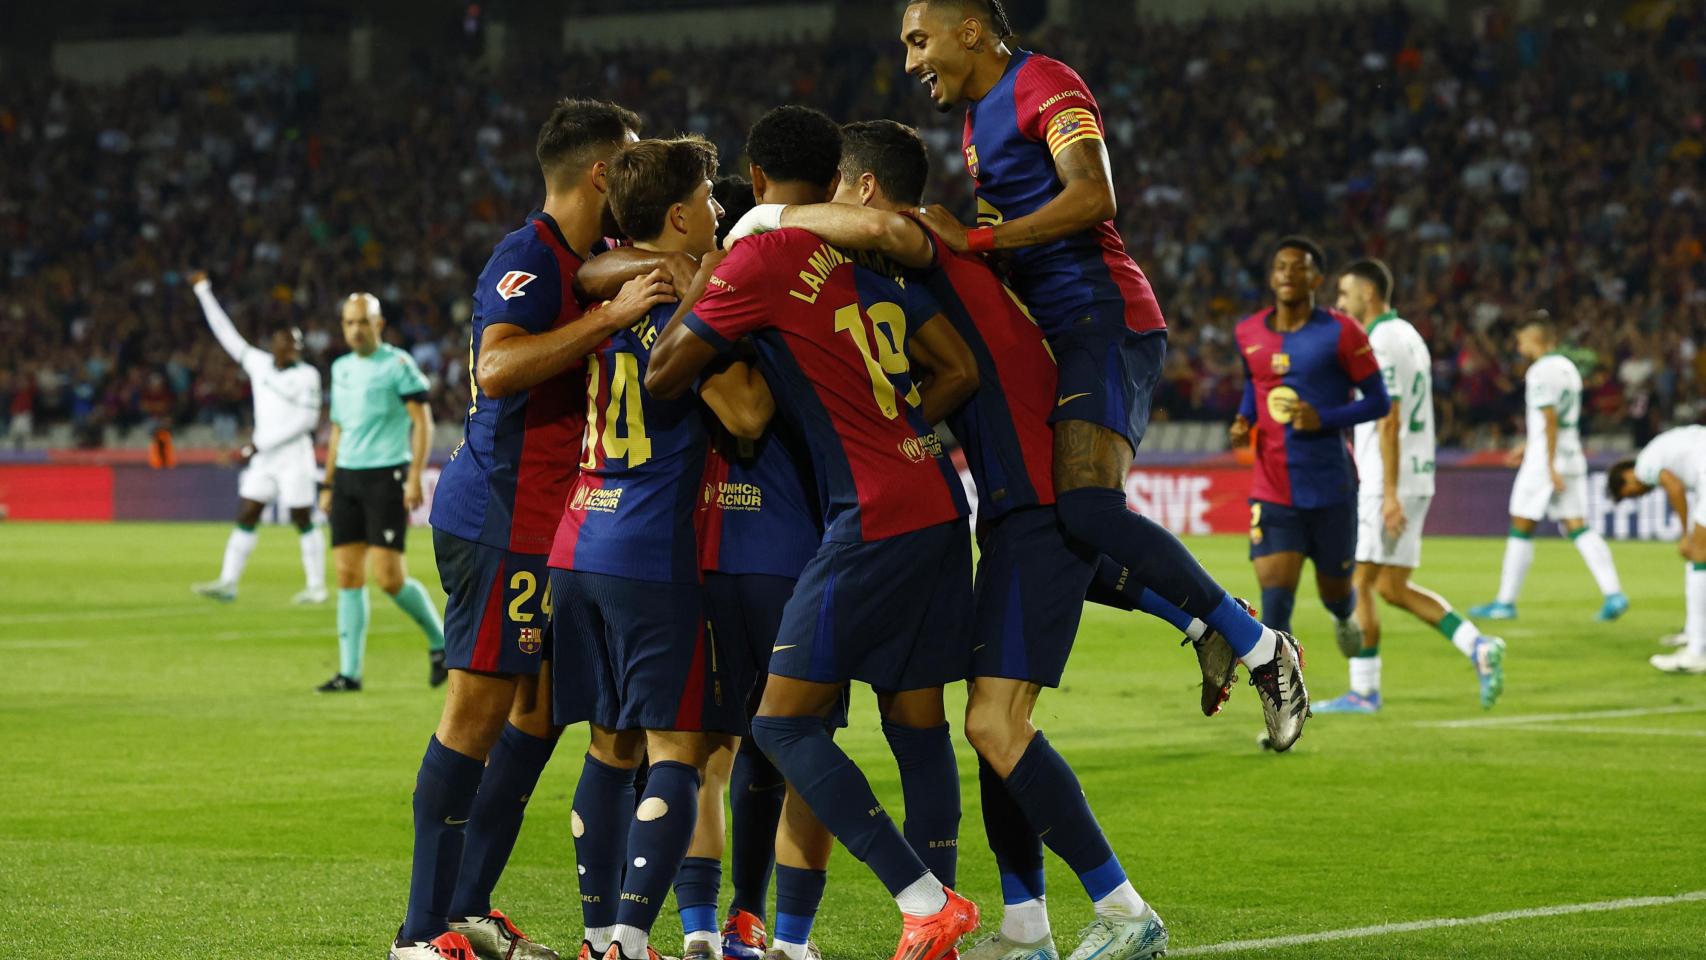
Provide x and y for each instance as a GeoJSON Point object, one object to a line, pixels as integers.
{"type": "Point", "coordinates": [1553, 381]}
{"type": "Point", "coordinates": [1682, 451]}
{"type": "Point", "coordinates": [1408, 372]}
{"type": "Point", "coordinates": [287, 402]}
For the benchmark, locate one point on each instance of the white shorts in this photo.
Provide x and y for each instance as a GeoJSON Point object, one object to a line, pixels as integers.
{"type": "Point", "coordinates": [1372, 543]}
{"type": "Point", "coordinates": [1532, 497]}
{"type": "Point", "coordinates": [285, 475]}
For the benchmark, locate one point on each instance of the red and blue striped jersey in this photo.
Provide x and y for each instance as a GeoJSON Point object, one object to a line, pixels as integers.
{"type": "Point", "coordinates": [1004, 428]}
{"type": "Point", "coordinates": [506, 480]}
{"type": "Point", "coordinates": [1320, 362]}
{"type": "Point", "coordinates": [756, 510]}
{"type": "Point", "coordinates": [1040, 107]}
{"type": "Point", "coordinates": [630, 512]}
{"type": "Point", "coordinates": [831, 339]}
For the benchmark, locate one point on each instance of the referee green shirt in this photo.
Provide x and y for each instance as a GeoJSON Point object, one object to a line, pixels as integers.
{"type": "Point", "coordinates": [368, 395]}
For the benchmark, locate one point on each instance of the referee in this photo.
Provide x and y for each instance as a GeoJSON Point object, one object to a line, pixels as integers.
{"type": "Point", "coordinates": [381, 432]}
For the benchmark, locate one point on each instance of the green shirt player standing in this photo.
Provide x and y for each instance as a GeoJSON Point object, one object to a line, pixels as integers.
{"type": "Point", "coordinates": [381, 432]}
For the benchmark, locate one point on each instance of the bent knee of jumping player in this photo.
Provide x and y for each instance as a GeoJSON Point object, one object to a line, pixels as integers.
{"type": "Point", "coordinates": [998, 720]}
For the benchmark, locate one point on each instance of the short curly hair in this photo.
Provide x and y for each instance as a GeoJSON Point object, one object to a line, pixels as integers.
{"type": "Point", "coordinates": [795, 143]}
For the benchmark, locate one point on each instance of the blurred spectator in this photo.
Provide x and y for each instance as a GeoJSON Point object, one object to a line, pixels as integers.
{"type": "Point", "coordinates": [1550, 164]}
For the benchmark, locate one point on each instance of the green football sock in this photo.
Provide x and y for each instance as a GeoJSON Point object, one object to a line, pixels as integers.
{"type": "Point", "coordinates": [352, 631]}
{"type": "Point", "coordinates": [415, 602]}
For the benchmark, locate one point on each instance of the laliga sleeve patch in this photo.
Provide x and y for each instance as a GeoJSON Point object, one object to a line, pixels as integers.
{"type": "Point", "coordinates": [511, 285]}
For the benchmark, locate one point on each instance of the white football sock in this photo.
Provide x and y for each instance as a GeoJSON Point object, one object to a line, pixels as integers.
{"type": "Point", "coordinates": [1122, 901]}
{"type": "Point", "coordinates": [600, 938]}
{"type": "Point", "coordinates": [1196, 630]}
{"type": "Point", "coordinates": [1264, 650]}
{"type": "Point", "coordinates": [1593, 549]}
{"type": "Point", "coordinates": [793, 951]}
{"type": "Point", "coordinates": [314, 558]}
{"type": "Point", "coordinates": [1696, 605]}
{"type": "Point", "coordinates": [632, 939]}
{"type": "Point", "coordinates": [1519, 556]}
{"type": "Point", "coordinates": [238, 546]}
{"type": "Point", "coordinates": [922, 897]}
{"type": "Point", "coordinates": [1025, 922]}
{"type": "Point", "coordinates": [1464, 637]}
{"type": "Point", "coordinates": [705, 936]}
{"type": "Point", "coordinates": [1365, 675]}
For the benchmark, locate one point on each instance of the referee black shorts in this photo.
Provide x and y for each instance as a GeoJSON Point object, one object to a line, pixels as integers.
{"type": "Point", "coordinates": [367, 507]}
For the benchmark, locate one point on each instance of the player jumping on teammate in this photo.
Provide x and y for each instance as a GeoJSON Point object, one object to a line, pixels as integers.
{"type": "Point", "coordinates": [279, 457]}
{"type": "Point", "coordinates": [1045, 199]}
{"type": "Point", "coordinates": [1395, 461]}
{"type": "Point", "coordinates": [1551, 480]}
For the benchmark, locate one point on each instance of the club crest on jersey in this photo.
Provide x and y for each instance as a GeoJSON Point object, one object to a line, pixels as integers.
{"type": "Point", "coordinates": [1280, 363]}
{"type": "Point", "coordinates": [971, 160]}
{"type": "Point", "coordinates": [530, 639]}
{"type": "Point", "coordinates": [510, 286]}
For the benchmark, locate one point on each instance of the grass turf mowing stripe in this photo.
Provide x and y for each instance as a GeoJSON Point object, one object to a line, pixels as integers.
{"type": "Point", "coordinates": [1507, 720]}
{"type": "Point", "coordinates": [1385, 929]}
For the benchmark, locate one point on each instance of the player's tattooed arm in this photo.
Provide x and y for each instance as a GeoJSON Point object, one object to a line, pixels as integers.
{"type": "Point", "coordinates": [741, 399]}
{"type": "Point", "coordinates": [513, 360]}
{"type": "Point", "coordinates": [1085, 200]}
{"type": "Point", "coordinates": [680, 354]}
{"type": "Point", "coordinates": [864, 228]}
{"type": "Point", "coordinates": [952, 379]}
{"type": "Point", "coordinates": [602, 277]}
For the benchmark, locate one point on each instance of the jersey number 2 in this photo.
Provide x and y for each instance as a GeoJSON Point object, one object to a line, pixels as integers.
{"type": "Point", "coordinates": [888, 324]}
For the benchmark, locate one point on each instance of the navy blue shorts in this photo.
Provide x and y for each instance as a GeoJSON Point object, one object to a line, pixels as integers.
{"type": "Point", "coordinates": [1108, 375]}
{"type": "Point", "coordinates": [644, 660]}
{"type": "Point", "coordinates": [1326, 535]}
{"type": "Point", "coordinates": [497, 617]}
{"type": "Point", "coordinates": [894, 613]}
{"type": "Point", "coordinates": [1029, 597]}
{"type": "Point", "coordinates": [744, 611]}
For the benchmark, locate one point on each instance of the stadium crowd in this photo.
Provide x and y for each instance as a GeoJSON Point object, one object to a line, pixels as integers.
{"type": "Point", "coordinates": [1502, 170]}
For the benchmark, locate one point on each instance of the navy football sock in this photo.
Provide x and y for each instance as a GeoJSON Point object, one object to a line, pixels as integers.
{"type": "Point", "coordinates": [512, 771]}
{"type": "Point", "coordinates": [1342, 608]}
{"type": "Point", "coordinates": [604, 807]}
{"type": "Point", "coordinates": [657, 841]}
{"type": "Point", "coordinates": [1151, 603]}
{"type": "Point", "coordinates": [444, 798]}
{"type": "Point", "coordinates": [1047, 790]}
{"type": "Point", "coordinates": [930, 787]}
{"type": "Point", "coordinates": [1153, 557]}
{"type": "Point", "coordinates": [1017, 848]}
{"type": "Point", "coordinates": [756, 791]}
{"type": "Point", "coordinates": [1112, 586]}
{"type": "Point", "coordinates": [840, 795]}
{"type": "Point", "coordinates": [1276, 608]}
{"type": "Point", "coordinates": [798, 893]}
{"type": "Point", "coordinates": [696, 887]}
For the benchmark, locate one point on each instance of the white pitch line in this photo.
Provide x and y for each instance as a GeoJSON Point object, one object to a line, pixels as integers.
{"type": "Point", "coordinates": [1353, 933]}
{"type": "Point", "coordinates": [1507, 720]}
{"type": "Point", "coordinates": [1615, 731]}
{"type": "Point", "coordinates": [138, 614]}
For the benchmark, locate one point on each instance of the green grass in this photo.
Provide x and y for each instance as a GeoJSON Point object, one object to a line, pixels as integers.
{"type": "Point", "coordinates": [173, 788]}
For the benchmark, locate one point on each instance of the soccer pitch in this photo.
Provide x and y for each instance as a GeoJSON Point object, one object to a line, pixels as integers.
{"type": "Point", "coordinates": [175, 789]}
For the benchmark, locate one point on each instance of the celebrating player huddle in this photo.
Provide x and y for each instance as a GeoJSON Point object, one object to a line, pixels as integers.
{"type": "Point", "coordinates": [713, 501]}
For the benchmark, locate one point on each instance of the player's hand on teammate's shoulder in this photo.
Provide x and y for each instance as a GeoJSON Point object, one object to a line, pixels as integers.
{"type": "Point", "coordinates": [637, 297]}
{"type": "Point", "coordinates": [1239, 432]}
{"type": "Point", "coordinates": [945, 225]}
{"type": "Point", "coordinates": [682, 268]}
{"type": "Point", "coordinates": [759, 220]}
